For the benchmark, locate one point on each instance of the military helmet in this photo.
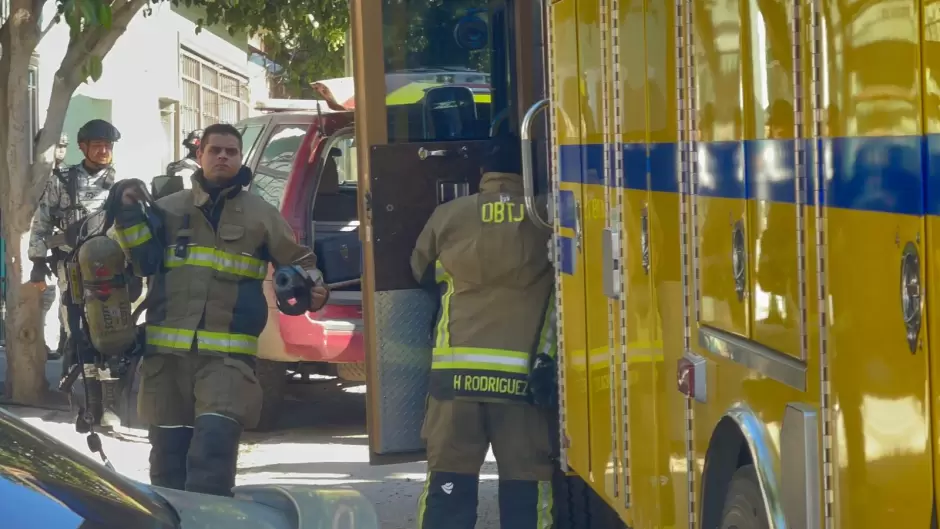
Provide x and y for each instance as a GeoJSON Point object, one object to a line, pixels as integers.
{"type": "Point", "coordinates": [98, 129]}
{"type": "Point", "coordinates": [193, 139]}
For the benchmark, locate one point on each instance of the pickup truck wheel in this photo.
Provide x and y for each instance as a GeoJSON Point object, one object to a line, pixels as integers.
{"type": "Point", "coordinates": [272, 376]}
{"type": "Point", "coordinates": [744, 504]}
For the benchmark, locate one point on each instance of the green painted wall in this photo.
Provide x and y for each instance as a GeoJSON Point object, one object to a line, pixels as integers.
{"type": "Point", "coordinates": [81, 110]}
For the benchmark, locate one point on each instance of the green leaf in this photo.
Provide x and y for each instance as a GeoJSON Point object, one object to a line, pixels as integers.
{"type": "Point", "coordinates": [88, 11]}
{"type": "Point", "coordinates": [104, 15]}
{"type": "Point", "coordinates": [95, 67]}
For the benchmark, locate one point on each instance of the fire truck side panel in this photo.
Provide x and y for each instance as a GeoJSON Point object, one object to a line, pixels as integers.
{"type": "Point", "coordinates": [875, 208]}
{"type": "Point", "coordinates": [594, 218]}
{"type": "Point", "coordinates": [572, 288]}
{"type": "Point", "coordinates": [665, 260]}
{"type": "Point", "coordinates": [770, 161]}
{"type": "Point", "coordinates": [636, 359]}
{"type": "Point", "coordinates": [856, 379]}
{"type": "Point", "coordinates": [720, 200]}
{"type": "Point", "coordinates": [930, 31]}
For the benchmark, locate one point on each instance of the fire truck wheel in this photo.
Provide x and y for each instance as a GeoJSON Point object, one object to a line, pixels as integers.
{"type": "Point", "coordinates": [744, 504]}
{"type": "Point", "coordinates": [577, 506]}
{"type": "Point", "coordinates": [273, 379]}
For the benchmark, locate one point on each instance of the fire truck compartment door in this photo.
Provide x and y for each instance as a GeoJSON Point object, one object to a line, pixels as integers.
{"type": "Point", "coordinates": [407, 181]}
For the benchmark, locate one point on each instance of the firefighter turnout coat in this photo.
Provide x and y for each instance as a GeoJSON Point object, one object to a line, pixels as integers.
{"type": "Point", "coordinates": [208, 265]}
{"type": "Point", "coordinates": [496, 282]}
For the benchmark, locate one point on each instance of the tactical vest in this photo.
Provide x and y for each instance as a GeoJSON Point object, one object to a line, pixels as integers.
{"type": "Point", "coordinates": [84, 195]}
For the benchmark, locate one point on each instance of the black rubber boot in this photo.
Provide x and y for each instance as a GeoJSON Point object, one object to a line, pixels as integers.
{"type": "Point", "coordinates": [213, 455]}
{"type": "Point", "coordinates": [449, 501]}
{"type": "Point", "coordinates": [168, 449]}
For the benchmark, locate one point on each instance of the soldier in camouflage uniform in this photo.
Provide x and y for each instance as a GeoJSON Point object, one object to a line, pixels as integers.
{"type": "Point", "coordinates": [48, 294]}
{"type": "Point", "coordinates": [73, 196]}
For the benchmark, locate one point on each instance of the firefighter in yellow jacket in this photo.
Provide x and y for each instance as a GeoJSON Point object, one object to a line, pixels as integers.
{"type": "Point", "coordinates": [490, 262]}
{"type": "Point", "coordinates": [198, 389]}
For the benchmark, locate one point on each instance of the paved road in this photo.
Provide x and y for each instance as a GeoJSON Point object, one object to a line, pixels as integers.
{"type": "Point", "coordinates": [323, 442]}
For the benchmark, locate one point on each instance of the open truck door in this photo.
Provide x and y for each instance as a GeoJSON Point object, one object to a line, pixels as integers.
{"type": "Point", "coordinates": [408, 180]}
{"type": "Point", "coordinates": [425, 110]}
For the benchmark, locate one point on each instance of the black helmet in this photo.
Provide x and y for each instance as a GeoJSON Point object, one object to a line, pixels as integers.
{"type": "Point", "coordinates": [193, 138]}
{"type": "Point", "coordinates": [98, 129]}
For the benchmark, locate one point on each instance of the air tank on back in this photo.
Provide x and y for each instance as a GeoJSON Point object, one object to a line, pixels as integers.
{"type": "Point", "coordinates": [105, 296]}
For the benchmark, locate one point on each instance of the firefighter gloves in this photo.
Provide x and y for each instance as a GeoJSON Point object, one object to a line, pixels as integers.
{"type": "Point", "coordinates": [543, 382]}
{"type": "Point", "coordinates": [40, 271]}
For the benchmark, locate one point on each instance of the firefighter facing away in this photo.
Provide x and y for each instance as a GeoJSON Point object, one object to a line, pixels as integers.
{"type": "Point", "coordinates": [189, 164]}
{"type": "Point", "coordinates": [489, 261]}
{"type": "Point", "coordinates": [72, 195]}
{"type": "Point", "coordinates": [198, 388]}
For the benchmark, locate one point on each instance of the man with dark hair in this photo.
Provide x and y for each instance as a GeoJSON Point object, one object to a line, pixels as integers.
{"type": "Point", "coordinates": [495, 323]}
{"type": "Point", "coordinates": [72, 196]}
{"type": "Point", "coordinates": [198, 388]}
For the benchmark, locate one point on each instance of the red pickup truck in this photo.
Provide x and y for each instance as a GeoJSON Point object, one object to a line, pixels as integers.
{"type": "Point", "coordinates": [303, 157]}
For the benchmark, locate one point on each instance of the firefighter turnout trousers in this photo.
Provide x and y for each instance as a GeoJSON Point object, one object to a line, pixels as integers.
{"type": "Point", "coordinates": [458, 434]}
{"type": "Point", "coordinates": [196, 406]}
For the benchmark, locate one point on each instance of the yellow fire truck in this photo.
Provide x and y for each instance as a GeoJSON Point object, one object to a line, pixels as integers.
{"type": "Point", "coordinates": [743, 196]}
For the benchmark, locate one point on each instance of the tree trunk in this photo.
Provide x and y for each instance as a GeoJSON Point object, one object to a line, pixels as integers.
{"type": "Point", "coordinates": [26, 355]}
{"type": "Point", "coordinates": [25, 376]}
{"type": "Point", "coordinates": [22, 178]}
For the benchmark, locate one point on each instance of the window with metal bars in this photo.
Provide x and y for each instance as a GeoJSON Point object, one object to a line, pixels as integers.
{"type": "Point", "coordinates": [211, 94]}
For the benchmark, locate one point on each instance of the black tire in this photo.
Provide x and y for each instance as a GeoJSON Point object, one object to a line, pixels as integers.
{"type": "Point", "coordinates": [272, 376]}
{"type": "Point", "coordinates": [744, 505]}
{"type": "Point", "coordinates": [577, 506]}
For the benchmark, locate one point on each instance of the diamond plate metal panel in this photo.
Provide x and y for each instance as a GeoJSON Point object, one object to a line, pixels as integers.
{"type": "Point", "coordinates": [404, 322]}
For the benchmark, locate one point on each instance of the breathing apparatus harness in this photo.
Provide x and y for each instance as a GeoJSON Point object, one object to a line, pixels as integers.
{"type": "Point", "coordinates": [77, 237]}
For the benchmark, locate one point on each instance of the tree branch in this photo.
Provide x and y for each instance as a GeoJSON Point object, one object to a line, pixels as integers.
{"type": "Point", "coordinates": [38, 6]}
{"type": "Point", "coordinates": [45, 30]}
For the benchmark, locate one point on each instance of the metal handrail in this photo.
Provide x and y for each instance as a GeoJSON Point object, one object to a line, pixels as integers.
{"type": "Point", "coordinates": [528, 176]}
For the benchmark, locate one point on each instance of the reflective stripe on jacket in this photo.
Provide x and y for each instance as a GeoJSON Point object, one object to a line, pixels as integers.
{"type": "Point", "coordinates": [207, 267]}
{"type": "Point", "coordinates": [497, 309]}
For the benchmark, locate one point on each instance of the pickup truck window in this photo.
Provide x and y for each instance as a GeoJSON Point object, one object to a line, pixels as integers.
{"type": "Point", "coordinates": [249, 138]}
{"type": "Point", "coordinates": [276, 162]}
{"type": "Point", "coordinates": [346, 164]}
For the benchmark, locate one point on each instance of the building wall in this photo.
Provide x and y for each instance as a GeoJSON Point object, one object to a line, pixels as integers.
{"type": "Point", "coordinates": [140, 90]}
{"type": "Point", "coordinates": [142, 73]}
